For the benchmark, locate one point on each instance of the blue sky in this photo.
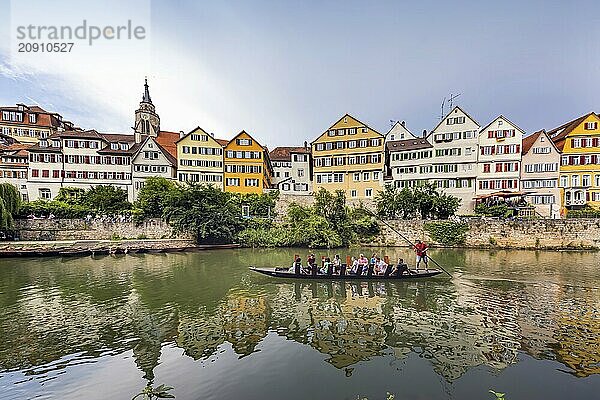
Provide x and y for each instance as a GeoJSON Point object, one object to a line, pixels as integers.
{"type": "Point", "coordinates": [285, 71]}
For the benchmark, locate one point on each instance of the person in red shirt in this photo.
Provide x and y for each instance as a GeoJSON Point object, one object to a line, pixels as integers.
{"type": "Point", "coordinates": [421, 250]}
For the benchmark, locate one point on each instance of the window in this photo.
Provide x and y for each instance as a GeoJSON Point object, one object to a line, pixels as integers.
{"type": "Point", "coordinates": [366, 176]}
{"type": "Point", "coordinates": [113, 146]}
{"type": "Point", "coordinates": [244, 142]}
{"type": "Point", "coordinates": [586, 180]}
{"type": "Point", "coordinates": [368, 192]}
{"type": "Point", "coordinates": [251, 182]}
{"type": "Point", "coordinates": [45, 194]}
{"type": "Point", "coordinates": [590, 126]}
{"type": "Point", "coordinates": [574, 180]}
{"type": "Point", "coordinates": [356, 176]}
{"type": "Point", "coordinates": [300, 173]}
{"type": "Point", "coordinates": [32, 118]}
{"type": "Point", "coordinates": [564, 181]}
{"type": "Point", "coordinates": [232, 182]}
{"type": "Point", "coordinates": [353, 193]}
{"type": "Point", "coordinates": [376, 175]}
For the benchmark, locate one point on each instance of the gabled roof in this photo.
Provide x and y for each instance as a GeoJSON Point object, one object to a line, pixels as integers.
{"type": "Point", "coordinates": [338, 121]}
{"type": "Point", "coordinates": [450, 112]}
{"type": "Point", "coordinates": [408, 144]}
{"type": "Point", "coordinates": [285, 153]}
{"type": "Point", "coordinates": [504, 118]}
{"type": "Point", "coordinates": [529, 141]}
{"type": "Point", "coordinates": [137, 148]}
{"type": "Point", "coordinates": [222, 142]}
{"type": "Point", "coordinates": [563, 130]}
{"type": "Point", "coordinates": [400, 127]}
{"type": "Point", "coordinates": [559, 134]}
{"type": "Point", "coordinates": [246, 133]}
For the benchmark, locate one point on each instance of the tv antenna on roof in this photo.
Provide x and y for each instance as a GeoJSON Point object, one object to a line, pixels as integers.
{"type": "Point", "coordinates": [442, 112]}
{"type": "Point", "coordinates": [451, 99]}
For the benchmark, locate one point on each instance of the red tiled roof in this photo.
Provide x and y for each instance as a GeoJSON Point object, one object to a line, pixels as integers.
{"type": "Point", "coordinates": [559, 134]}
{"type": "Point", "coordinates": [168, 141]}
{"type": "Point", "coordinates": [529, 141]}
{"type": "Point", "coordinates": [222, 142]}
{"type": "Point", "coordinates": [285, 153]}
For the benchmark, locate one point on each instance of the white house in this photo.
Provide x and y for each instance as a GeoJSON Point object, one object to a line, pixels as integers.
{"type": "Point", "coordinates": [539, 174]}
{"type": "Point", "coordinates": [79, 159]}
{"type": "Point", "coordinates": [151, 159]}
{"type": "Point", "coordinates": [13, 166]}
{"type": "Point", "coordinates": [454, 166]}
{"type": "Point", "coordinates": [499, 158]}
{"type": "Point", "coordinates": [408, 162]}
{"type": "Point", "coordinates": [292, 170]}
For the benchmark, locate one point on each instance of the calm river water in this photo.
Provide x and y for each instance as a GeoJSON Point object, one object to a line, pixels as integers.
{"type": "Point", "coordinates": [521, 322]}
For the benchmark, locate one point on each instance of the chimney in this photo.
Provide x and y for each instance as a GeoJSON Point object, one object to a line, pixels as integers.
{"type": "Point", "coordinates": [305, 145]}
{"type": "Point", "coordinates": [424, 132]}
{"type": "Point", "coordinates": [403, 123]}
{"type": "Point", "coordinates": [181, 134]}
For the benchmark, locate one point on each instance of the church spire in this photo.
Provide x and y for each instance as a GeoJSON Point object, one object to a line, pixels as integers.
{"type": "Point", "coordinates": [146, 98]}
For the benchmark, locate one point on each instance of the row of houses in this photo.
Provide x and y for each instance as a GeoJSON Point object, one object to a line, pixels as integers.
{"type": "Point", "coordinates": [554, 170]}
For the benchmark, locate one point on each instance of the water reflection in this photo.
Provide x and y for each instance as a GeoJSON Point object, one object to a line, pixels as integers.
{"type": "Point", "coordinates": [56, 313]}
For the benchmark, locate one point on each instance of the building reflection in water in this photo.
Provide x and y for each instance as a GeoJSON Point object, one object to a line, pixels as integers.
{"type": "Point", "coordinates": [477, 319]}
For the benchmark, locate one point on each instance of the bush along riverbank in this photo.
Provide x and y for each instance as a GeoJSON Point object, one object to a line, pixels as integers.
{"type": "Point", "coordinates": [209, 216]}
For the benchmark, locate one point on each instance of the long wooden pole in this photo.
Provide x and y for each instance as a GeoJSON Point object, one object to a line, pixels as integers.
{"type": "Point", "coordinates": [405, 238]}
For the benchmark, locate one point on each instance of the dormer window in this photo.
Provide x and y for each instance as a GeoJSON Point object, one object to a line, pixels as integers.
{"type": "Point", "coordinates": [32, 118]}
{"type": "Point", "coordinates": [124, 146]}
{"type": "Point", "coordinates": [12, 116]}
{"type": "Point", "coordinates": [43, 143]}
{"type": "Point", "coordinates": [114, 146]}
{"type": "Point", "coordinates": [56, 143]}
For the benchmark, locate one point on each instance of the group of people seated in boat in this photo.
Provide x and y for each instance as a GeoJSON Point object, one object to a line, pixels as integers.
{"type": "Point", "coordinates": [362, 265]}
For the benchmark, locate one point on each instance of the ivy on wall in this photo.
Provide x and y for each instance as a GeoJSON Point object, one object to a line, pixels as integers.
{"type": "Point", "coordinates": [447, 233]}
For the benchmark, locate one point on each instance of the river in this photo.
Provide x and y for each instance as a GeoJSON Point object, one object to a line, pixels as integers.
{"type": "Point", "coordinates": [521, 322]}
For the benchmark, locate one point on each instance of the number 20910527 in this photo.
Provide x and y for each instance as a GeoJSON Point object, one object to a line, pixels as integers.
{"type": "Point", "coordinates": [26, 47]}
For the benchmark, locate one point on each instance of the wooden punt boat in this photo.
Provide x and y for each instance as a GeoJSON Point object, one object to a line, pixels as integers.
{"type": "Point", "coordinates": [283, 273]}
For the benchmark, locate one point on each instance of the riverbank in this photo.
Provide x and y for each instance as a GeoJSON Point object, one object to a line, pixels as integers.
{"type": "Point", "coordinates": [54, 236]}
{"type": "Point", "coordinates": [489, 233]}
{"type": "Point", "coordinates": [90, 247]}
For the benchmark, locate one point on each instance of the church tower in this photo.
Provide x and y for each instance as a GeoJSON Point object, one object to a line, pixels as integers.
{"type": "Point", "coordinates": [147, 121]}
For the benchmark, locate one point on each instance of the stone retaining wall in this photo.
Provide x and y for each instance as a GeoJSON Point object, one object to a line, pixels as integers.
{"type": "Point", "coordinates": [96, 229]}
{"type": "Point", "coordinates": [491, 233]}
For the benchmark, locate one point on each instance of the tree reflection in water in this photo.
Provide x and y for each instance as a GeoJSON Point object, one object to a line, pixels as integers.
{"type": "Point", "coordinates": [495, 307]}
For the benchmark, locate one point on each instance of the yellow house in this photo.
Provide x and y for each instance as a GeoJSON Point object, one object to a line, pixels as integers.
{"type": "Point", "coordinates": [349, 156]}
{"type": "Point", "coordinates": [579, 178]}
{"type": "Point", "coordinates": [200, 158]}
{"type": "Point", "coordinates": [247, 165]}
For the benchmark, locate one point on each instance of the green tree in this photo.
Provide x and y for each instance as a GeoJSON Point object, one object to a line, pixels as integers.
{"type": "Point", "coordinates": [107, 199]}
{"type": "Point", "coordinates": [70, 195]}
{"type": "Point", "coordinates": [155, 197]}
{"type": "Point", "coordinates": [10, 202]}
{"type": "Point", "coordinates": [212, 215]}
{"type": "Point", "coordinates": [424, 201]}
